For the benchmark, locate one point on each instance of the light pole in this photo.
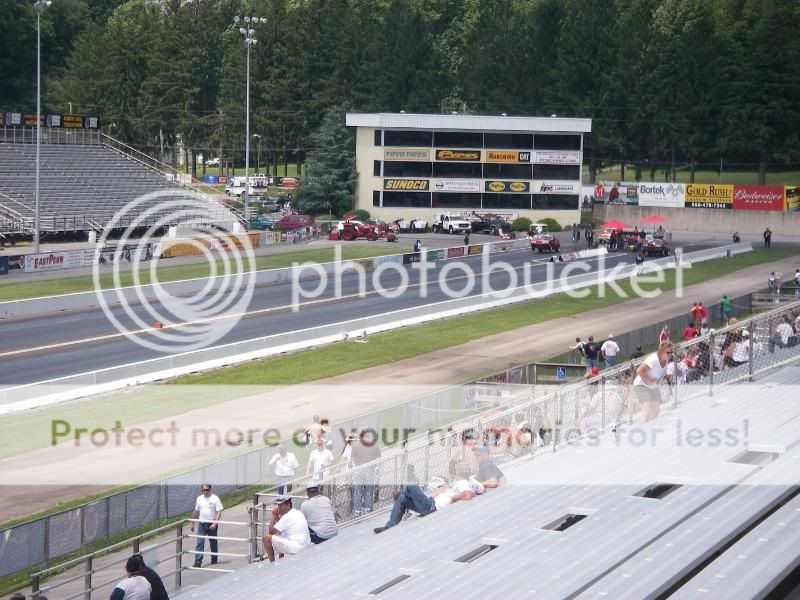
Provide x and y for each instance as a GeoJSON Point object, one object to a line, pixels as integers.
{"type": "Point", "coordinates": [249, 40]}
{"type": "Point", "coordinates": [258, 152]}
{"type": "Point", "coordinates": [39, 5]}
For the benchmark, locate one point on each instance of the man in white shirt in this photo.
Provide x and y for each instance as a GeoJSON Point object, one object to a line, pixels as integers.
{"type": "Point", "coordinates": [287, 532]}
{"type": "Point", "coordinates": [648, 377]}
{"type": "Point", "coordinates": [782, 334]}
{"type": "Point", "coordinates": [319, 460]}
{"type": "Point", "coordinates": [610, 349]}
{"type": "Point", "coordinates": [208, 509]}
{"type": "Point", "coordinates": [285, 464]}
{"type": "Point", "coordinates": [318, 511]}
{"type": "Point", "coordinates": [134, 586]}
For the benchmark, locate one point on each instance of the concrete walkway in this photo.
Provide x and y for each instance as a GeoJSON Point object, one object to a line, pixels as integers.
{"type": "Point", "coordinates": [349, 394]}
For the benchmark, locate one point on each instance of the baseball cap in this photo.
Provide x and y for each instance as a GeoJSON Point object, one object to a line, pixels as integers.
{"type": "Point", "coordinates": [282, 500]}
{"type": "Point", "coordinates": [312, 488]}
{"type": "Point", "coordinates": [611, 336]}
{"type": "Point", "coordinates": [483, 449]}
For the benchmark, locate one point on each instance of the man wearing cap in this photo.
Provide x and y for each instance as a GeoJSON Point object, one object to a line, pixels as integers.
{"type": "Point", "coordinates": [413, 498]}
{"type": "Point", "coordinates": [610, 349]}
{"type": "Point", "coordinates": [318, 511]}
{"type": "Point", "coordinates": [287, 532]}
{"type": "Point", "coordinates": [488, 475]}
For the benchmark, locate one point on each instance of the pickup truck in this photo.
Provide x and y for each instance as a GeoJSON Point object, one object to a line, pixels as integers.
{"type": "Point", "coordinates": [491, 224]}
{"type": "Point", "coordinates": [262, 222]}
{"type": "Point", "coordinates": [451, 224]}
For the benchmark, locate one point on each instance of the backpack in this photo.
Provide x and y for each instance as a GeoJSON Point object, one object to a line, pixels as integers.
{"type": "Point", "coordinates": [591, 350]}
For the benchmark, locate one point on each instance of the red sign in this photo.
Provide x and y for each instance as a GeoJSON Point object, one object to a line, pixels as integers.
{"type": "Point", "coordinates": [453, 252]}
{"type": "Point", "coordinates": [599, 191]}
{"type": "Point", "coordinates": [757, 197]}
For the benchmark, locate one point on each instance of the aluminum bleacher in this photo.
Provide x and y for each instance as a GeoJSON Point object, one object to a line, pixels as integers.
{"type": "Point", "coordinates": [700, 502]}
{"type": "Point", "coordinates": [82, 187]}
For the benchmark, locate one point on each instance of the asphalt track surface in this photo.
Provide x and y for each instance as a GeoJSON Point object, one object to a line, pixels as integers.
{"type": "Point", "coordinates": [61, 344]}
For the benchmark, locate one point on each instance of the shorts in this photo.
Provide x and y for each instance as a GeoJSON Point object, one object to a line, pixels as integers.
{"type": "Point", "coordinates": [284, 546]}
{"type": "Point", "coordinates": [647, 394]}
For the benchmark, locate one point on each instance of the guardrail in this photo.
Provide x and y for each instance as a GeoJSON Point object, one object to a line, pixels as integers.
{"type": "Point", "coordinates": [39, 394]}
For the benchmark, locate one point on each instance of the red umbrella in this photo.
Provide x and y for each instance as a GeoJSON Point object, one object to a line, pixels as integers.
{"type": "Point", "coordinates": [655, 219]}
{"type": "Point", "coordinates": [614, 225]}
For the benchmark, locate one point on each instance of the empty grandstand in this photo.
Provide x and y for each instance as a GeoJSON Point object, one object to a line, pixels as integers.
{"type": "Point", "coordinates": [83, 186]}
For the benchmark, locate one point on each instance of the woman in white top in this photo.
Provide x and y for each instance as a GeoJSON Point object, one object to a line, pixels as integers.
{"type": "Point", "coordinates": [648, 377]}
{"type": "Point", "coordinates": [285, 464]}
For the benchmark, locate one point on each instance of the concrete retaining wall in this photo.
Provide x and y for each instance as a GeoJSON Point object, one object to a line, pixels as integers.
{"type": "Point", "coordinates": [708, 220]}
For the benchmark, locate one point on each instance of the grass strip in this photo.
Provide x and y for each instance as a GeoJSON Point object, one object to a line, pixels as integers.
{"type": "Point", "coordinates": [85, 283]}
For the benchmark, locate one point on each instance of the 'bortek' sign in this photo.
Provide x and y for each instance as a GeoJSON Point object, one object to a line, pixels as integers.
{"type": "Point", "coordinates": [412, 185]}
{"type": "Point", "coordinates": [662, 194]}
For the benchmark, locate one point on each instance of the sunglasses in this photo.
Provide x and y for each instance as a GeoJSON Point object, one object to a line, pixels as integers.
{"type": "Point", "coordinates": [206, 489]}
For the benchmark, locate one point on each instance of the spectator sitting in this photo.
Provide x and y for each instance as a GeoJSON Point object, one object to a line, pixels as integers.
{"type": "Point", "coordinates": [781, 335]}
{"type": "Point", "coordinates": [134, 586]}
{"type": "Point", "coordinates": [690, 332]}
{"type": "Point", "coordinates": [702, 363]}
{"type": "Point", "coordinates": [413, 498]}
{"type": "Point", "coordinates": [318, 512]}
{"type": "Point", "coordinates": [159, 592]}
{"type": "Point", "coordinates": [287, 532]}
{"type": "Point", "coordinates": [488, 475]}
{"type": "Point", "coordinates": [463, 455]}
{"type": "Point", "coordinates": [741, 351]}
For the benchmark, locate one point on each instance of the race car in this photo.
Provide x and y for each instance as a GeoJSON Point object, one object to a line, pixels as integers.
{"type": "Point", "coordinates": [545, 243]}
{"type": "Point", "coordinates": [653, 245]}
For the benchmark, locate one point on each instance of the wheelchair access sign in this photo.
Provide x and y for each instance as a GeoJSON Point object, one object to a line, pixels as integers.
{"type": "Point", "coordinates": [561, 374]}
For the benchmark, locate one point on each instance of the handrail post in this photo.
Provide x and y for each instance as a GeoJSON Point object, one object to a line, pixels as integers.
{"type": "Point", "coordinates": [252, 513]}
{"type": "Point", "coordinates": [712, 345]}
{"type": "Point", "coordinates": [602, 403]}
{"type": "Point", "coordinates": [178, 553]}
{"type": "Point", "coordinates": [136, 544]}
{"type": "Point", "coordinates": [751, 333]}
{"type": "Point", "coordinates": [36, 582]}
{"type": "Point", "coordinates": [87, 578]}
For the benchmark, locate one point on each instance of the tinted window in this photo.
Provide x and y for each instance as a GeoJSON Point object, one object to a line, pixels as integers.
{"type": "Point", "coordinates": [501, 171]}
{"type": "Point", "coordinates": [458, 139]}
{"type": "Point", "coordinates": [454, 169]}
{"type": "Point", "coordinates": [516, 201]}
{"type": "Point", "coordinates": [407, 199]}
{"type": "Point", "coordinates": [377, 137]}
{"type": "Point", "coordinates": [522, 141]}
{"type": "Point", "coordinates": [563, 172]}
{"type": "Point", "coordinates": [556, 142]}
{"type": "Point", "coordinates": [555, 201]}
{"type": "Point", "coordinates": [376, 168]}
{"type": "Point", "coordinates": [406, 169]}
{"type": "Point", "coordinates": [456, 200]}
{"type": "Point", "coordinates": [376, 198]}
{"type": "Point", "coordinates": [407, 138]}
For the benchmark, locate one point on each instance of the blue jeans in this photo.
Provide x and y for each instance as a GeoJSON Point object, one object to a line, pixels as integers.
{"type": "Point", "coordinates": [363, 490]}
{"type": "Point", "coordinates": [611, 361]}
{"type": "Point", "coordinates": [776, 341]}
{"type": "Point", "coordinates": [282, 482]}
{"type": "Point", "coordinates": [590, 362]}
{"type": "Point", "coordinates": [411, 498]}
{"type": "Point", "coordinates": [204, 529]}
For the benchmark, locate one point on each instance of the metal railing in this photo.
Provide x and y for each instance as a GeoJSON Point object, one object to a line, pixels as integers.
{"type": "Point", "coordinates": [50, 135]}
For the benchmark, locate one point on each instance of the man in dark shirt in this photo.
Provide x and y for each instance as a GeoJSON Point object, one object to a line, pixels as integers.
{"type": "Point", "coordinates": [158, 592]}
{"type": "Point", "coordinates": [488, 473]}
{"type": "Point", "coordinates": [592, 353]}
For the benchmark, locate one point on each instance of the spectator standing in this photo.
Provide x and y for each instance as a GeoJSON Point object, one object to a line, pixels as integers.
{"type": "Point", "coordinates": [725, 308]}
{"type": "Point", "coordinates": [418, 246]}
{"type": "Point", "coordinates": [158, 591]}
{"type": "Point", "coordinates": [466, 239]}
{"type": "Point", "coordinates": [639, 262]}
{"type": "Point", "coordinates": [134, 586]}
{"type": "Point", "coordinates": [318, 511]}
{"type": "Point", "coordinates": [208, 509]}
{"type": "Point", "coordinates": [696, 312]}
{"type": "Point", "coordinates": [287, 532]}
{"type": "Point", "coordinates": [592, 352]}
{"type": "Point", "coordinates": [574, 233]}
{"type": "Point", "coordinates": [285, 464]}
{"type": "Point", "coordinates": [346, 460]}
{"type": "Point", "coordinates": [365, 450]}
{"type": "Point", "coordinates": [781, 335]}
{"type": "Point", "coordinates": [319, 459]}
{"type": "Point", "coordinates": [703, 315]}
{"type": "Point", "coordinates": [772, 282]}
{"type": "Point", "coordinates": [664, 335]}
{"type": "Point", "coordinates": [648, 378]}
{"type": "Point", "coordinates": [612, 240]}
{"type": "Point", "coordinates": [589, 238]}
{"type": "Point", "coordinates": [610, 349]}
{"type": "Point", "coordinates": [578, 350]}
{"type": "Point", "coordinates": [314, 432]}
{"type": "Point", "coordinates": [767, 238]}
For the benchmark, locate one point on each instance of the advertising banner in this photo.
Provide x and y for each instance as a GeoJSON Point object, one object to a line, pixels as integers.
{"type": "Point", "coordinates": [550, 157]}
{"type": "Point", "coordinates": [3, 265]}
{"type": "Point", "coordinates": [434, 255]}
{"type": "Point", "coordinates": [13, 119]}
{"type": "Point", "coordinates": [222, 179]}
{"type": "Point", "coordinates": [457, 185]}
{"type": "Point", "coordinates": [30, 120]}
{"type": "Point", "coordinates": [756, 197]}
{"type": "Point", "coordinates": [382, 260]}
{"type": "Point", "coordinates": [459, 155]}
{"type": "Point", "coordinates": [38, 263]}
{"type": "Point", "coordinates": [507, 156]}
{"type": "Point", "coordinates": [670, 195]}
{"type": "Point", "coordinates": [792, 203]}
{"type": "Point", "coordinates": [475, 250]}
{"type": "Point", "coordinates": [53, 120]}
{"type": "Point", "coordinates": [455, 252]}
{"type": "Point", "coordinates": [408, 185]}
{"type": "Point", "coordinates": [413, 257]}
{"type": "Point", "coordinates": [2, 119]}
{"type": "Point", "coordinates": [709, 195]}
{"type": "Point", "coordinates": [367, 264]}
{"type": "Point", "coordinates": [557, 187]}
{"type": "Point", "coordinates": [72, 121]}
{"type": "Point", "coordinates": [210, 179]}
{"type": "Point", "coordinates": [503, 187]}
{"type": "Point", "coordinates": [91, 122]}
{"type": "Point", "coordinates": [422, 154]}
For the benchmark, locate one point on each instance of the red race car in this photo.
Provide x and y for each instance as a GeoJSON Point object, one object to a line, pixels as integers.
{"type": "Point", "coordinates": [545, 243]}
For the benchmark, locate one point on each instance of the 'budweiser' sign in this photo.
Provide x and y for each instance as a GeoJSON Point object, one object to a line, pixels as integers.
{"type": "Point", "coordinates": [757, 197]}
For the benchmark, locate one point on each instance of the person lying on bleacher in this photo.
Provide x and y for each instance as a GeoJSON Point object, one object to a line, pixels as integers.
{"type": "Point", "coordinates": [413, 498]}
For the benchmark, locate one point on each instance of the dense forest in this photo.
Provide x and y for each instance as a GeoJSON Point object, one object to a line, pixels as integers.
{"type": "Point", "coordinates": [666, 81]}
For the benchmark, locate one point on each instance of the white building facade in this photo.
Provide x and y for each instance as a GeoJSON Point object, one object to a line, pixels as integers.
{"type": "Point", "coordinates": [417, 166]}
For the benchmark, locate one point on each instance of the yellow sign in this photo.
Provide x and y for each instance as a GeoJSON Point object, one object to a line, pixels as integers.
{"type": "Point", "coordinates": [518, 187]}
{"type": "Point", "coordinates": [792, 195]}
{"type": "Point", "coordinates": [496, 186]}
{"type": "Point", "coordinates": [414, 185]}
{"type": "Point", "coordinates": [502, 156]}
{"type": "Point", "coordinates": [461, 155]}
{"type": "Point", "coordinates": [709, 192]}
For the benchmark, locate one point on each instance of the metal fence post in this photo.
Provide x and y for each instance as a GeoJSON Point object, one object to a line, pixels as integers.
{"type": "Point", "coordinates": [556, 430]}
{"type": "Point", "coordinates": [178, 553]}
{"type": "Point", "coordinates": [602, 402]}
{"type": "Point", "coordinates": [751, 332]}
{"type": "Point", "coordinates": [87, 578]}
{"type": "Point", "coordinates": [137, 542]}
{"type": "Point", "coordinates": [712, 345]}
{"type": "Point", "coordinates": [426, 476]}
{"type": "Point", "coordinates": [35, 585]}
{"type": "Point", "coordinates": [532, 427]}
{"type": "Point", "coordinates": [253, 528]}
